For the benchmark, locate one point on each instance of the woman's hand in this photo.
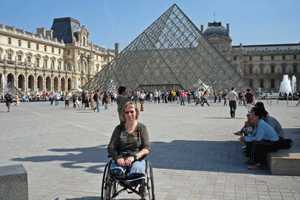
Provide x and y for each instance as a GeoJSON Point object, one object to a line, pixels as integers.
{"type": "Point", "coordinates": [121, 162]}
{"type": "Point", "coordinates": [242, 139]}
{"type": "Point", "coordinates": [129, 161]}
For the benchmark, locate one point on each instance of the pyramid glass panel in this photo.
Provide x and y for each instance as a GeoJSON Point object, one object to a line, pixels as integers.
{"type": "Point", "coordinates": [171, 53]}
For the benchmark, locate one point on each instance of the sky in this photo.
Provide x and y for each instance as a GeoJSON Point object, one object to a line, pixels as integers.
{"type": "Point", "coordinates": [108, 21]}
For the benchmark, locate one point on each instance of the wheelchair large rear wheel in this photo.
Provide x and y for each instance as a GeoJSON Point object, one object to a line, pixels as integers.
{"type": "Point", "coordinates": [108, 186]}
{"type": "Point", "coordinates": [150, 182]}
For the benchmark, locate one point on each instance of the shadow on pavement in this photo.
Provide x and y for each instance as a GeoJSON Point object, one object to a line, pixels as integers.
{"type": "Point", "coordinates": [218, 156]}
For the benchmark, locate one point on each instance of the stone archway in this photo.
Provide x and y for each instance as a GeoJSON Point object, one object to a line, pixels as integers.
{"type": "Point", "coordinates": [30, 83]}
{"type": "Point", "coordinates": [55, 84]}
{"type": "Point", "coordinates": [48, 83]}
{"type": "Point", "coordinates": [40, 83]}
{"type": "Point", "coordinates": [63, 83]}
{"type": "Point", "coordinates": [10, 78]}
{"type": "Point", "coordinates": [21, 82]}
{"type": "Point", "coordinates": [69, 84]}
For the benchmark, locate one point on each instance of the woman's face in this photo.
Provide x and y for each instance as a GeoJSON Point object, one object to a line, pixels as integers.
{"type": "Point", "coordinates": [130, 113]}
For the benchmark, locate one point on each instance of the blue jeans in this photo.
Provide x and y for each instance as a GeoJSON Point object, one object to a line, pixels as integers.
{"type": "Point", "coordinates": [56, 102]}
{"type": "Point", "coordinates": [97, 106]}
{"type": "Point", "coordinates": [105, 105]}
{"type": "Point", "coordinates": [182, 101]}
{"type": "Point", "coordinates": [138, 167]}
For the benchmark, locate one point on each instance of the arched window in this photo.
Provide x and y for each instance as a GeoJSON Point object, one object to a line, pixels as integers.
{"type": "Point", "coordinates": [59, 65]}
{"type": "Point", "coordinates": [37, 62]}
{"type": "Point", "coordinates": [272, 83]}
{"type": "Point", "coordinates": [20, 58]}
{"type": "Point", "coordinates": [261, 68]}
{"type": "Point", "coordinates": [261, 83]}
{"type": "Point", "coordinates": [9, 56]}
{"type": "Point", "coordinates": [272, 69]}
{"type": "Point", "coordinates": [283, 66]}
{"type": "Point", "coordinates": [9, 40]}
{"type": "Point", "coordinates": [250, 69]}
{"type": "Point", "coordinates": [29, 59]}
{"type": "Point", "coordinates": [295, 68]}
{"type": "Point", "coordinates": [69, 66]}
{"type": "Point", "coordinates": [45, 63]}
{"type": "Point", "coordinates": [52, 64]}
{"type": "Point", "coordinates": [83, 41]}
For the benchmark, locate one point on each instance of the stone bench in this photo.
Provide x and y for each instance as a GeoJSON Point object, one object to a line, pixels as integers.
{"type": "Point", "coordinates": [13, 183]}
{"type": "Point", "coordinates": [284, 162]}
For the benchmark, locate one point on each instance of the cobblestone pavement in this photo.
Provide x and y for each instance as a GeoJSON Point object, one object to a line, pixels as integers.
{"type": "Point", "coordinates": [194, 152]}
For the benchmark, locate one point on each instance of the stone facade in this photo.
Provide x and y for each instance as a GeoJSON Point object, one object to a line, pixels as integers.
{"type": "Point", "coordinates": [37, 63]}
{"type": "Point", "coordinates": [262, 66]}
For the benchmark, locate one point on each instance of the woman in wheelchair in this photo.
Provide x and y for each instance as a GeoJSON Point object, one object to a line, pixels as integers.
{"type": "Point", "coordinates": [129, 145]}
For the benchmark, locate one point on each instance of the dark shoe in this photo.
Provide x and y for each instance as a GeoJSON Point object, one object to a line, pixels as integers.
{"type": "Point", "coordinates": [247, 162]}
{"type": "Point", "coordinates": [254, 167]}
{"type": "Point", "coordinates": [239, 133]}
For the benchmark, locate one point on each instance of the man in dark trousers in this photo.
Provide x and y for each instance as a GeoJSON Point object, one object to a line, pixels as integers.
{"type": "Point", "coordinates": [232, 98]}
{"type": "Point", "coordinates": [8, 99]}
{"type": "Point", "coordinates": [122, 99]}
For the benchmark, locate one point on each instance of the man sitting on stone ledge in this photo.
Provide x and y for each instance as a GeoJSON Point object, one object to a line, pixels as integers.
{"type": "Point", "coordinates": [264, 139]}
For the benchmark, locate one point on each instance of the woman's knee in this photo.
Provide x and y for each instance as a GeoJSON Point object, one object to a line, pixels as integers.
{"type": "Point", "coordinates": [138, 167]}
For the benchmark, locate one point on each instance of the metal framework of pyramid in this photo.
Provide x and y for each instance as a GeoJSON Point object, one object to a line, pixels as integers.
{"type": "Point", "coordinates": [170, 53]}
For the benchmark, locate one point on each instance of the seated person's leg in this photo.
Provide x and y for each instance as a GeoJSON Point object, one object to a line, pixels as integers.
{"type": "Point", "coordinates": [117, 170]}
{"type": "Point", "coordinates": [137, 168]}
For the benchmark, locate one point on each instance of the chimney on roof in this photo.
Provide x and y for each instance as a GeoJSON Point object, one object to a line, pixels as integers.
{"type": "Point", "coordinates": [42, 31]}
{"type": "Point", "coordinates": [227, 27]}
{"type": "Point", "coordinates": [50, 34]}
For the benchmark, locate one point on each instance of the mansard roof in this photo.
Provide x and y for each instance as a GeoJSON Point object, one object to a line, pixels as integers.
{"type": "Point", "coordinates": [64, 28]}
{"type": "Point", "coordinates": [269, 47]}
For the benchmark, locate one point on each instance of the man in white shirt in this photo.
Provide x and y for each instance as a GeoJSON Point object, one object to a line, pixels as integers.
{"type": "Point", "coordinates": [232, 98]}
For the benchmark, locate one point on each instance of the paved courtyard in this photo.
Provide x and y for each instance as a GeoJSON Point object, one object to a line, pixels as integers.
{"type": "Point", "coordinates": [193, 151]}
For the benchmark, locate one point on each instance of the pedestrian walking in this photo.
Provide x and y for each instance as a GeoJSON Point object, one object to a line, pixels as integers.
{"type": "Point", "coordinates": [232, 98]}
{"type": "Point", "coordinates": [8, 100]}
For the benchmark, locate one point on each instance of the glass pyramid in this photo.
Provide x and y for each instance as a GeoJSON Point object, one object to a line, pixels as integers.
{"type": "Point", "coordinates": [171, 53]}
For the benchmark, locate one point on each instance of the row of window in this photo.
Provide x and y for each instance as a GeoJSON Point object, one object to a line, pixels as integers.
{"type": "Point", "coordinates": [262, 57]}
{"type": "Point", "coordinates": [68, 67]}
{"type": "Point", "coordinates": [45, 48]}
{"type": "Point", "coordinates": [262, 83]}
{"type": "Point", "coordinates": [283, 69]}
{"type": "Point", "coordinates": [37, 45]}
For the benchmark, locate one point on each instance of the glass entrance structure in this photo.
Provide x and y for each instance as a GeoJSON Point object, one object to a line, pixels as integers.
{"type": "Point", "coordinates": [171, 52]}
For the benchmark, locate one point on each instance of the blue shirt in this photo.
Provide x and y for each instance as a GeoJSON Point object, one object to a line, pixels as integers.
{"type": "Point", "coordinates": [275, 124]}
{"type": "Point", "coordinates": [262, 131]}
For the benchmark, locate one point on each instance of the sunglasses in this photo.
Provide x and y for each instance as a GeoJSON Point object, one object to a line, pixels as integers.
{"type": "Point", "coordinates": [127, 112]}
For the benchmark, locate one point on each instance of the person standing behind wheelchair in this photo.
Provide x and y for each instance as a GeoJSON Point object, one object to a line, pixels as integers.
{"type": "Point", "coordinates": [129, 144]}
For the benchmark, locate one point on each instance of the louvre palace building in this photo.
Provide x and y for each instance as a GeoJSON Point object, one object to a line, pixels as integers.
{"type": "Point", "coordinates": [263, 65]}
{"type": "Point", "coordinates": [55, 60]}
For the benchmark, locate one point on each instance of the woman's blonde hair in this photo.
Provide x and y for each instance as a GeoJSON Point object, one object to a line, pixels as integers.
{"type": "Point", "coordinates": [129, 103]}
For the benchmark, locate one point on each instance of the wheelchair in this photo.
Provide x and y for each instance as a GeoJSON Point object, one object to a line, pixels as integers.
{"type": "Point", "coordinates": [142, 185]}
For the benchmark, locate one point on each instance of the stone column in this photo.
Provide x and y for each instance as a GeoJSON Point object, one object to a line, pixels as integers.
{"type": "Point", "coordinates": [44, 83]}
{"type": "Point", "coordinates": [25, 83]}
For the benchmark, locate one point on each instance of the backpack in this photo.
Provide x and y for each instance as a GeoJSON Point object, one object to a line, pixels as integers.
{"type": "Point", "coordinates": [95, 97]}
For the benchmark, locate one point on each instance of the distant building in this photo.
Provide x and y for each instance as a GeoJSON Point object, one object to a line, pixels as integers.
{"type": "Point", "coordinates": [262, 66]}
{"type": "Point", "coordinates": [55, 60]}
